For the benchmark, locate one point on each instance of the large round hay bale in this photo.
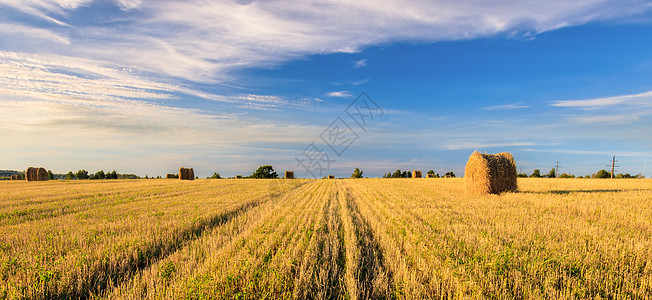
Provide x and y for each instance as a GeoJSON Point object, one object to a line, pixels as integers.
{"type": "Point", "coordinates": [31, 174]}
{"type": "Point", "coordinates": [490, 173]}
{"type": "Point", "coordinates": [186, 173]}
{"type": "Point", "coordinates": [171, 176]}
{"type": "Point", "coordinates": [238, 176]}
{"type": "Point", "coordinates": [42, 175]}
{"type": "Point", "coordinates": [416, 174]}
{"type": "Point", "coordinates": [289, 174]}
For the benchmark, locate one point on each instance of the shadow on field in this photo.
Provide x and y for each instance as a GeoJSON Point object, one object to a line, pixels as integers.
{"type": "Point", "coordinates": [565, 192]}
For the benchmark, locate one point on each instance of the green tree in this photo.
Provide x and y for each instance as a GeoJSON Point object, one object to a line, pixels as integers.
{"type": "Point", "coordinates": [564, 175]}
{"type": "Point", "coordinates": [451, 174]}
{"type": "Point", "coordinates": [602, 174]}
{"type": "Point", "coordinates": [357, 173]}
{"type": "Point", "coordinates": [70, 175]}
{"type": "Point", "coordinates": [50, 175]}
{"type": "Point", "coordinates": [431, 172]}
{"type": "Point", "coordinates": [396, 174]}
{"type": "Point", "coordinates": [216, 175]}
{"type": "Point", "coordinates": [82, 174]}
{"type": "Point", "coordinates": [99, 175]}
{"type": "Point", "coordinates": [406, 174]}
{"type": "Point", "coordinates": [552, 173]}
{"type": "Point", "coordinates": [264, 172]}
{"type": "Point", "coordinates": [523, 175]}
{"type": "Point", "coordinates": [536, 173]}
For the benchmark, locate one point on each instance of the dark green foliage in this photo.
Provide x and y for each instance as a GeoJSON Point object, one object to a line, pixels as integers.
{"type": "Point", "coordinates": [82, 174]}
{"type": "Point", "coordinates": [70, 176]}
{"type": "Point", "coordinates": [451, 174]}
{"type": "Point", "coordinates": [357, 173]}
{"type": "Point", "coordinates": [216, 175]}
{"type": "Point", "coordinates": [602, 174]}
{"type": "Point", "coordinates": [536, 173]}
{"type": "Point", "coordinates": [552, 173]}
{"type": "Point", "coordinates": [522, 175]}
{"type": "Point", "coordinates": [264, 172]}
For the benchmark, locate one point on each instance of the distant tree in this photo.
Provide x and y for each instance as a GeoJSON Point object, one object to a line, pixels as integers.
{"type": "Point", "coordinates": [406, 174]}
{"type": "Point", "coordinates": [216, 175]}
{"type": "Point", "coordinates": [431, 172]}
{"type": "Point", "coordinates": [146, 177]}
{"type": "Point", "coordinates": [396, 174]}
{"type": "Point", "coordinates": [264, 172]}
{"type": "Point", "coordinates": [639, 176]}
{"type": "Point", "coordinates": [602, 174]}
{"type": "Point", "coordinates": [70, 176]}
{"type": "Point", "coordinates": [451, 174]}
{"type": "Point", "coordinates": [82, 174]}
{"type": "Point", "coordinates": [536, 173]}
{"type": "Point", "coordinates": [552, 173]}
{"type": "Point", "coordinates": [521, 175]}
{"type": "Point", "coordinates": [99, 175]}
{"type": "Point", "coordinates": [50, 175]}
{"type": "Point", "coordinates": [357, 173]}
{"type": "Point", "coordinates": [564, 175]}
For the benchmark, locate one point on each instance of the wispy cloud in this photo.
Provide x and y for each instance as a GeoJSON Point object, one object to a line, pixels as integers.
{"type": "Point", "coordinates": [340, 94]}
{"type": "Point", "coordinates": [518, 105]}
{"type": "Point", "coordinates": [360, 63]}
{"type": "Point", "coordinates": [644, 99]}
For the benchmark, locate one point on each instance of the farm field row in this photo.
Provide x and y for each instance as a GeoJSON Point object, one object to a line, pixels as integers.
{"type": "Point", "coordinates": [351, 238]}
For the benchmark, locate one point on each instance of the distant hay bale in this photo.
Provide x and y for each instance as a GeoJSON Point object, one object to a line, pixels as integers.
{"type": "Point", "coordinates": [490, 173]}
{"type": "Point", "coordinates": [238, 176]}
{"type": "Point", "coordinates": [331, 176]}
{"type": "Point", "coordinates": [36, 174]}
{"type": "Point", "coordinates": [289, 174]}
{"type": "Point", "coordinates": [15, 177]}
{"type": "Point", "coordinates": [42, 175]}
{"type": "Point", "coordinates": [416, 174]}
{"type": "Point", "coordinates": [430, 175]}
{"type": "Point", "coordinates": [171, 176]}
{"type": "Point", "coordinates": [186, 173]}
{"type": "Point", "coordinates": [448, 176]}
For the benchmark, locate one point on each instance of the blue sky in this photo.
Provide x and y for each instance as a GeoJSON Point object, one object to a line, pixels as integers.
{"type": "Point", "coordinates": [147, 86]}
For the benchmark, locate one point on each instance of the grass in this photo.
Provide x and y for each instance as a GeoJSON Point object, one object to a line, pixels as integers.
{"type": "Point", "coordinates": [336, 239]}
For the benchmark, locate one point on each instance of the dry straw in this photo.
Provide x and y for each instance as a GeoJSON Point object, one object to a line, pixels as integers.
{"type": "Point", "coordinates": [416, 174]}
{"type": "Point", "coordinates": [289, 174]}
{"type": "Point", "coordinates": [171, 176]}
{"type": "Point", "coordinates": [36, 174]}
{"type": "Point", "coordinates": [238, 176]}
{"type": "Point", "coordinates": [186, 174]}
{"type": "Point", "coordinates": [490, 173]}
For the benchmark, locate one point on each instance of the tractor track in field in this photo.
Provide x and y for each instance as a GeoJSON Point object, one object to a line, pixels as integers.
{"type": "Point", "coordinates": [110, 276]}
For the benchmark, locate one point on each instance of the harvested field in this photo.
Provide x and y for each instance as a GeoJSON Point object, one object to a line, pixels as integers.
{"type": "Point", "coordinates": [343, 238]}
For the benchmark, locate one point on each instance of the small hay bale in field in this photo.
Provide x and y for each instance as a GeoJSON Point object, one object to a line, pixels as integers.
{"type": "Point", "coordinates": [42, 175]}
{"type": "Point", "coordinates": [186, 173]}
{"type": "Point", "coordinates": [331, 176]}
{"type": "Point", "coordinates": [430, 175]}
{"type": "Point", "coordinates": [289, 174]}
{"type": "Point", "coordinates": [238, 176]}
{"type": "Point", "coordinates": [490, 173]}
{"type": "Point", "coordinates": [14, 177]}
{"type": "Point", "coordinates": [171, 176]}
{"type": "Point", "coordinates": [416, 174]}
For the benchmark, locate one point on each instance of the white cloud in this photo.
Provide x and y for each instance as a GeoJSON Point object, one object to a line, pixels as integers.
{"type": "Point", "coordinates": [518, 105]}
{"type": "Point", "coordinates": [204, 41]}
{"type": "Point", "coordinates": [340, 94]}
{"type": "Point", "coordinates": [641, 99]}
{"type": "Point", "coordinates": [360, 63]}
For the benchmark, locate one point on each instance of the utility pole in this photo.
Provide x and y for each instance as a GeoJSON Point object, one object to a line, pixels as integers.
{"type": "Point", "coordinates": [557, 169]}
{"type": "Point", "coordinates": [613, 166]}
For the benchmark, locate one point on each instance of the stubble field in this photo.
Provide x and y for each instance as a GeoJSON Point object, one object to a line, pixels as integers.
{"type": "Point", "coordinates": [337, 239]}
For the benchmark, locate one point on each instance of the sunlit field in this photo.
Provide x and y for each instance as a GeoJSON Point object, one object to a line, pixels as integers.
{"type": "Point", "coordinates": [337, 239]}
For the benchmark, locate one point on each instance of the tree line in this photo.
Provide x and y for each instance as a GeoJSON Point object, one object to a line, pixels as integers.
{"type": "Point", "coordinates": [599, 174]}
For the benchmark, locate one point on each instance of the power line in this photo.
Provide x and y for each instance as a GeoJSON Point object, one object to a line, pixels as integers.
{"type": "Point", "coordinates": [613, 166]}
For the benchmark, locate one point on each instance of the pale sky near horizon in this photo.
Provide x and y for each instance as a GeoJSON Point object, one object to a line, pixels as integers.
{"type": "Point", "coordinates": [148, 86]}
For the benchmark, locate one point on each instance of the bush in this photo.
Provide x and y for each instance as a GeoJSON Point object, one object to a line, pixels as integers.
{"type": "Point", "coordinates": [264, 172]}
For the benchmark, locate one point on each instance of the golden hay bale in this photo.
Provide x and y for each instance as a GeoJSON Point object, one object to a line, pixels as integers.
{"type": "Point", "coordinates": [30, 174]}
{"type": "Point", "coordinates": [289, 174]}
{"type": "Point", "coordinates": [238, 176]}
{"type": "Point", "coordinates": [490, 173]}
{"type": "Point", "coordinates": [42, 175]}
{"type": "Point", "coordinates": [416, 174]}
{"type": "Point", "coordinates": [171, 176]}
{"type": "Point", "coordinates": [331, 176]}
{"type": "Point", "coordinates": [430, 175]}
{"type": "Point", "coordinates": [186, 173]}
{"type": "Point", "coordinates": [14, 177]}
